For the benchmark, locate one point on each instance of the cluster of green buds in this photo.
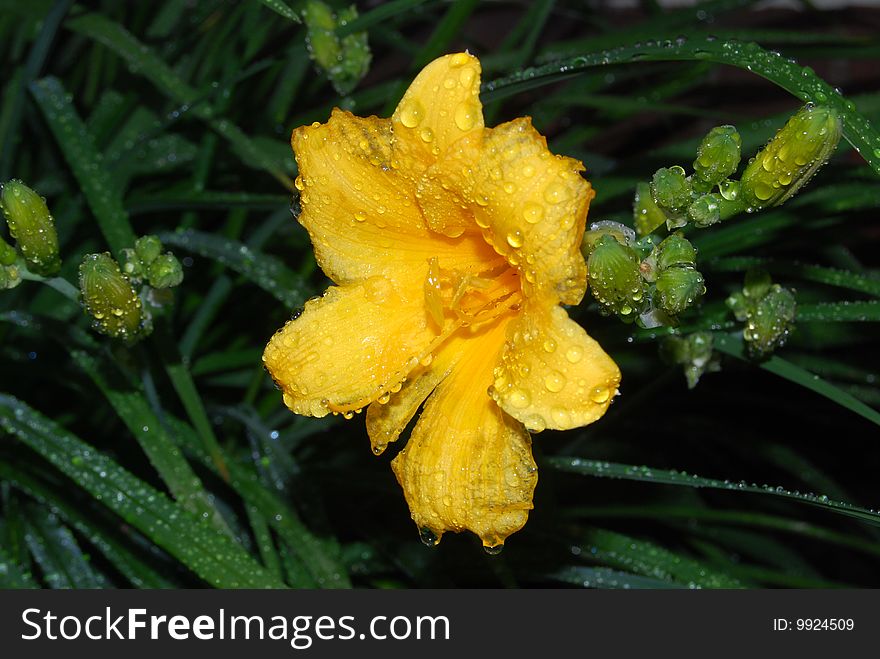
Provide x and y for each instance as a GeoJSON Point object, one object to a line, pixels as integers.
{"type": "Point", "coordinates": [33, 229]}
{"type": "Point", "coordinates": [693, 353]}
{"type": "Point", "coordinates": [114, 293]}
{"type": "Point", "coordinates": [647, 281]}
{"type": "Point", "coordinates": [147, 261]}
{"type": "Point", "coordinates": [710, 194]}
{"type": "Point", "coordinates": [344, 60]}
{"type": "Point", "coordinates": [768, 311]}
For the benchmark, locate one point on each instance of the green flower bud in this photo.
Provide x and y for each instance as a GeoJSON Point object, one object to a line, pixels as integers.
{"type": "Point", "coordinates": [148, 248]}
{"type": "Point", "coordinates": [706, 210]}
{"type": "Point", "coordinates": [345, 61]}
{"type": "Point", "coordinates": [771, 321]}
{"type": "Point", "coordinates": [647, 215]}
{"type": "Point", "coordinates": [165, 271]}
{"type": "Point", "coordinates": [10, 276]}
{"type": "Point", "coordinates": [717, 156]}
{"type": "Point", "coordinates": [693, 352]}
{"type": "Point", "coordinates": [679, 288]}
{"type": "Point", "coordinates": [31, 224]}
{"type": "Point", "coordinates": [7, 253]}
{"type": "Point", "coordinates": [670, 189]}
{"type": "Point", "coordinates": [130, 263]}
{"type": "Point", "coordinates": [788, 161]}
{"type": "Point", "coordinates": [620, 232]}
{"type": "Point", "coordinates": [614, 278]}
{"type": "Point", "coordinates": [110, 300]}
{"type": "Point", "coordinates": [675, 250]}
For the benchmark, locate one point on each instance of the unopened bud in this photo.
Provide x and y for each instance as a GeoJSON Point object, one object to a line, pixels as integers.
{"type": "Point", "coordinates": [165, 271]}
{"type": "Point", "coordinates": [31, 224]}
{"type": "Point", "coordinates": [148, 248]}
{"type": "Point", "coordinates": [675, 250]}
{"type": "Point", "coordinates": [671, 189]}
{"type": "Point", "coordinates": [10, 276]}
{"type": "Point", "coordinates": [768, 327]}
{"type": "Point", "coordinates": [130, 263]}
{"type": "Point", "coordinates": [345, 61]}
{"type": "Point", "coordinates": [110, 300]}
{"type": "Point", "coordinates": [717, 156]}
{"type": "Point", "coordinates": [706, 210]}
{"type": "Point", "coordinates": [679, 288]}
{"type": "Point", "coordinates": [7, 253]}
{"type": "Point", "coordinates": [791, 158]}
{"type": "Point", "coordinates": [614, 277]}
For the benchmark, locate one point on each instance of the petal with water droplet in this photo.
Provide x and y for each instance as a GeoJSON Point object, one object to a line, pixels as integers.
{"type": "Point", "coordinates": [566, 388]}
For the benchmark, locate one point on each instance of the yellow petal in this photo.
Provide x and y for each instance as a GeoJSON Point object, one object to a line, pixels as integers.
{"type": "Point", "coordinates": [551, 373]}
{"type": "Point", "coordinates": [358, 207]}
{"type": "Point", "coordinates": [531, 204]}
{"type": "Point", "coordinates": [441, 106]}
{"type": "Point", "coordinates": [468, 465]}
{"type": "Point", "coordinates": [350, 346]}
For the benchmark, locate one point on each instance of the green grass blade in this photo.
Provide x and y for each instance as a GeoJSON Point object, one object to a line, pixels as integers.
{"type": "Point", "coordinates": [604, 469]}
{"type": "Point", "coordinates": [733, 345]}
{"type": "Point", "coordinates": [283, 9]}
{"type": "Point", "coordinates": [61, 560]}
{"type": "Point", "coordinates": [377, 15]}
{"type": "Point", "coordinates": [265, 271]}
{"type": "Point", "coordinates": [12, 575]}
{"type": "Point", "coordinates": [840, 312]}
{"type": "Point", "coordinates": [855, 281]}
{"type": "Point", "coordinates": [212, 555]}
{"type": "Point", "coordinates": [319, 557]}
{"type": "Point", "coordinates": [86, 163]}
{"type": "Point", "coordinates": [651, 560]}
{"type": "Point", "coordinates": [136, 571]}
{"type": "Point", "coordinates": [603, 577]}
{"type": "Point", "coordinates": [146, 62]}
{"type": "Point", "coordinates": [799, 81]}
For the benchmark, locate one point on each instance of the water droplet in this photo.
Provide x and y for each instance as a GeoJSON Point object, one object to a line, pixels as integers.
{"type": "Point", "coordinates": [600, 394]}
{"type": "Point", "coordinates": [359, 216]}
{"type": "Point", "coordinates": [532, 212]}
{"type": "Point", "coordinates": [550, 345]}
{"type": "Point", "coordinates": [519, 399]}
{"type": "Point", "coordinates": [466, 115]}
{"type": "Point", "coordinates": [493, 550]}
{"type": "Point", "coordinates": [574, 354]}
{"type": "Point", "coordinates": [426, 134]}
{"type": "Point", "coordinates": [412, 113]}
{"type": "Point", "coordinates": [515, 239]}
{"type": "Point", "coordinates": [554, 382]}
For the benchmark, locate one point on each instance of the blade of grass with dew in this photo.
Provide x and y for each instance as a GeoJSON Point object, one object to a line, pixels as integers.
{"type": "Point", "coordinates": [136, 571]}
{"type": "Point", "coordinates": [211, 555]}
{"type": "Point", "coordinates": [85, 161]}
{"type": "Point", "coordinates": [799, 81]}
{"type": "Point", "coordinates": [282, 8]}
{"type": "Point", "coordinates": [319, 556]}
{"type": "Point", "coordinates": [12, 575]}
{"type": "Point", "coordinates": [134, 410]}
{"type": "Point", "coordinates": [143, 60]}
{"type": "Point", "coordinates": [602, 577]}
{"type": "Point", "coordinates": [733, 345]}
{"type": "Point", "coordinates": [840, 312]}
{"type": "Point", "coordinates": [623, 552]}
{"type": "Point", "coordinates": [265, 271]}
{"type": "Point", "coordinates": [748, 518]}
{"type": "Point", "coordinates": [616, 470]}
{"type": "Point", "coordinates": [377, 15]}
{"type": "Point", "coordinates": [61, 560]}
{"type": "Point", "coordinates": [855, 281]}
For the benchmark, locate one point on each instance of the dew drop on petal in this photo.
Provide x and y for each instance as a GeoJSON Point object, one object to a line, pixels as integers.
{"type": "Point", "coordinates": [466, 115]}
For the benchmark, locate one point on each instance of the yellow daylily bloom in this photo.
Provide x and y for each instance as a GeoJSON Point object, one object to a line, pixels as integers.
{"type": "Point", "coordinates": [452, 247]}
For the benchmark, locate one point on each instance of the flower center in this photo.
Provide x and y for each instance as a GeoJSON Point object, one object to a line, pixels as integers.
{"type": "Point", "coordinates": [455, 299]}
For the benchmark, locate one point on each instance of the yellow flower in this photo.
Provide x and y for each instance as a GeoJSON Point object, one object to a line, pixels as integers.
{"type": "Point", "coordinates": [452, 247]}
